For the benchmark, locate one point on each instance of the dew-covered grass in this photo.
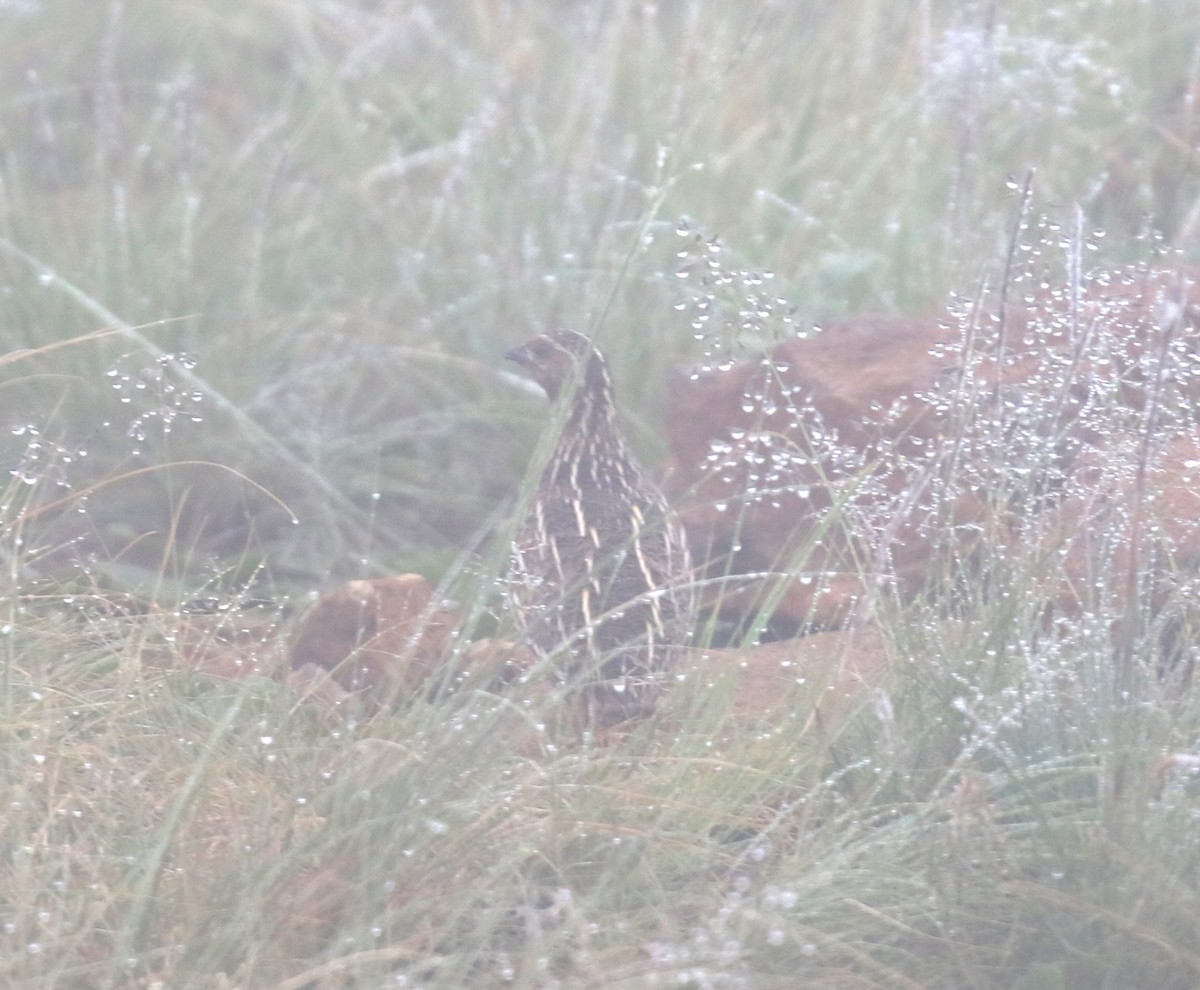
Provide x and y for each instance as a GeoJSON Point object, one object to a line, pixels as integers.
{"type": "Point", "coordinates": [259, 263]}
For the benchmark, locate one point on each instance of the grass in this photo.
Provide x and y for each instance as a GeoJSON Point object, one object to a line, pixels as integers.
{"type": "Point", "coordinates": [258, 266]}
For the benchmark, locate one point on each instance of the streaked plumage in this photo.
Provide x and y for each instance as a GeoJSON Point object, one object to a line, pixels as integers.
{"type": "Point", "coordinates": [600, 573]}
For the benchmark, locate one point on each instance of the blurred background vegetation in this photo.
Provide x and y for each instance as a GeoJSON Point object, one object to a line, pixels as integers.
{"type": "Point", "coordinates": [330, 219]}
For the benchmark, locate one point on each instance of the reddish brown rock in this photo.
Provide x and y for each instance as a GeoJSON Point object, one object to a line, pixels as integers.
{"type": "Point", "coordinates": [812, 678]}
{"type": "Point", "coordinates": [1132, 528]}
{"type": "Point", "coordinates": [804, 477]}
{"type": "Point", "coordinates": [382, 636]}
{"type": "Point", "coordinates": [761, 454]}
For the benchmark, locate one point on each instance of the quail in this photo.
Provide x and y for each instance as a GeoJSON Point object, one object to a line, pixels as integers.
{"type": "Point", "coordinates": [600, 573]}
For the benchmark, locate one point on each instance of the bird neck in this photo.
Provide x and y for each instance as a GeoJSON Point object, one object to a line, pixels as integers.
{"type": "Point", "coordinates": [590, 440]}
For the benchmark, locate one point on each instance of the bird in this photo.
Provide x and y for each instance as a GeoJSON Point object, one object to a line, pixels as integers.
{"type": "Point", "coordinates": [600, 573]}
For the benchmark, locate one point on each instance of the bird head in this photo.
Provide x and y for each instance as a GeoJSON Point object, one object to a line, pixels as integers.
{"type": "Point", "coordinates": [557, 358]}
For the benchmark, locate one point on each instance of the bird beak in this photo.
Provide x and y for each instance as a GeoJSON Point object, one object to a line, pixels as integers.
{"type": "Point", "coordinates": [516, 354]}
